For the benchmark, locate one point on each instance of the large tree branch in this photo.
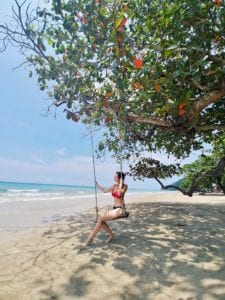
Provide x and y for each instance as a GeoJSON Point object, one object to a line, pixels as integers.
{"type": "Point", "coordinates": [218, 180]}
{"type": "Point", "coordinates": [220, 168]}
{"type": "Point", "coordinates": [197, 179]}
{"type": "Point", "coordinates": [195, 110]}
{"type": "Point", "coordinates": [159, 122]}
{"type": "Point", "coordinates": [204, 102]}
{"type": "Point", "coordinates": [192, 188]}
{"type": "Point", "coordinates": [217, 174]}
{"type": "Point", "coordinates": [166, 187]}
{"type": "Point", "coordinates": [210, 127]}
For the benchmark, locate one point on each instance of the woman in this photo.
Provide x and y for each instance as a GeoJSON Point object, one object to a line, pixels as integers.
{"type": "Point", "coordinates": [118, 190]}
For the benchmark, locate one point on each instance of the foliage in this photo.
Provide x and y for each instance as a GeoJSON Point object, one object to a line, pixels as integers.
{"type": "Point", "coordinates": [205, 164]}
{"type": "Point", "coordinates": [211, 166]}
{"type": "Point", "coordinates": [151, 168]}
{"type": "Point", "coordinates": [202, 174]}
{"type": "Point", "coordinates": [154, 70]}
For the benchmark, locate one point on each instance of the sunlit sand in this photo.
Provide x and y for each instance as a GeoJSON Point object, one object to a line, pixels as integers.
{"type": "Point", "coordinates": [171, 247]}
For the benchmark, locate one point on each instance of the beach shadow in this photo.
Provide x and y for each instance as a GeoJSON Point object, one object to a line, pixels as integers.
{"type": "Point", "coordinates": [212, 194]}
{"type": "Point", "coordinates": [187, 250]}
{"type": "Point", "coordinates": [48, 295]}
{"type": "Point", "coordinates": [77, 286]}
{"type": "Point", "coordinates": [161, 248]}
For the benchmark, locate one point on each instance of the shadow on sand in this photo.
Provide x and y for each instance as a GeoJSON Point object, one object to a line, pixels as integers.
{"type": "Point", "coordinates": [161, 247]}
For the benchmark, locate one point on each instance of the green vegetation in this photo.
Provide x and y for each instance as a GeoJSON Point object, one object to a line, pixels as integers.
{"type": "Point", "coordinates": [207, 170]}
{"type": "Point", "coordinates": [151, 72]}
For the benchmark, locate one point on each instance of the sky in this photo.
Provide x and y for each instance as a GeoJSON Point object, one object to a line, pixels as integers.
{"type": "Point", "coordinates": [36, 148]}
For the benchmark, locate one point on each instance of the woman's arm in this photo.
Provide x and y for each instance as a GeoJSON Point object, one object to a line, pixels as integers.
{"type": "Point", "coordinates": [104, 190]}
{"type": "Point", "coordinates": [125, 187]}
{"type": "Point", "coordinates": [122, 187]}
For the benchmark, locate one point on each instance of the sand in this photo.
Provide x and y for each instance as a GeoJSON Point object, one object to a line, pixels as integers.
{"type": "Point", "coordinates": [171, 247]}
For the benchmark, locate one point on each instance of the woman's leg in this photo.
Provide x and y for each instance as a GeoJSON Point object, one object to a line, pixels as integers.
{"type": "Point", "coordinates": [113, 214]}
{"type": "Point", "coordinates": [94, 232]}
{"type": "Point", "coordinates": [106, 227]}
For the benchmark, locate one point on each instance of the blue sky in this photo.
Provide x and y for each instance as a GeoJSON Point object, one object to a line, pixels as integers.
{"type": "Point", "coordinates": [42, 149]}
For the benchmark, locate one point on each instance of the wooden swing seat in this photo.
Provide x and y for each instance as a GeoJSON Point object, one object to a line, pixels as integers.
{"type": "Point", "coordinates": [125, 215]}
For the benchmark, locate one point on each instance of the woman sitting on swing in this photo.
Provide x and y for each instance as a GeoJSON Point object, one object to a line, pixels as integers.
{"type": "Point", "coordinates": [118, 190]}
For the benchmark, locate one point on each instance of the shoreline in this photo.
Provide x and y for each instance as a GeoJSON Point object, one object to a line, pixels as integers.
{"type": "Point", "coordinates": [171, 247]}
{"type": "Point", "coordinates": [18, 218]}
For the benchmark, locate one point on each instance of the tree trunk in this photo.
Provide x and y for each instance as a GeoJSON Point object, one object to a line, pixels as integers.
{"type": "Point", "coordinates": [166, 187]}
{"type": "Point", "coordinates": [218, 173]}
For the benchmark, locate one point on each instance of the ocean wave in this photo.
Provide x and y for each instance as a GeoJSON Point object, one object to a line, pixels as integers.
{"type": "Point", "coordinates": [27, 195]}
{"type": "Point", "coordinates": [23, 191]}
{"type": "Point", "coordinates": [44, 194]}
{"type": "Point", "coordinates": [32, 195]}
{"type": "Point", "coordinates": [46, 197]}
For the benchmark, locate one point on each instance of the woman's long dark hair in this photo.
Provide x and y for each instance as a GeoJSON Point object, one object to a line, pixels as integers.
{"type": "Point", "coordinates": [121, 175]}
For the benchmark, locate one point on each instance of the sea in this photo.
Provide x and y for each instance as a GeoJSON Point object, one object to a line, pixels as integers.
{"type": "Point", "coordinates": [25, 206]}
{"type": "Point", "coordinates": [21, 191]}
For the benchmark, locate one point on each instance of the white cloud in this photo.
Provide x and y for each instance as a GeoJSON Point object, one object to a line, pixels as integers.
{"type": "Point", "coordinates": [75, 170]}
{"type": "Point", "coordinates": [60, 152]}
{"type": "Point", "coordinates": [65, 171]}
{"type": "Point", "coordinates": [37, 159]}
{"type": "Point", "coordinates": [170, 159]}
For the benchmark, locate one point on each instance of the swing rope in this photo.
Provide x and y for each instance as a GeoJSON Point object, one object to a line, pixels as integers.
{"type": "Point", "coordinates": [94, 174]}
{"type": "Point", "coordinates": [126, 214]}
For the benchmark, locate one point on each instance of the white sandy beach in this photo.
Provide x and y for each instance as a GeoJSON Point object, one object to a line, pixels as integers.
{"type": "Point", "coordinates": [20, 217]}
{"type": "Point", "coordinates": [171, 247]}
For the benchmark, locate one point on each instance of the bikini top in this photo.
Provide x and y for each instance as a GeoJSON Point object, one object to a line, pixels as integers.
{"type": "Point", "coordinates": [117, 194]}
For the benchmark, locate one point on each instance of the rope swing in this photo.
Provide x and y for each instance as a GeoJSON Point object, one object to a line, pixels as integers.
{"type": "Point", "coordinates": [94, 173]}
{"type": "Point", "coordinates": [126, 213]}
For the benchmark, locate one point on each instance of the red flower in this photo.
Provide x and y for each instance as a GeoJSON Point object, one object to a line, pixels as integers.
{"type": "Point", "coordinates": [181, 109]}
{"type": "Point", "coordinates": [138, 63]}
{"type": "Point", "coordinates": [137, 85]}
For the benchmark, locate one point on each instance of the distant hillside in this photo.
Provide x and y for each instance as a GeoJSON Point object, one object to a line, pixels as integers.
{"type": "Point", "coordinates": [176, 183]}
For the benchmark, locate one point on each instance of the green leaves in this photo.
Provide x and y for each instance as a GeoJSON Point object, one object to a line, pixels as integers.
{"type": "Point", "coordinates": [82, 50]}
{"type": "Point", "coordinates": [151, 168]}
{"type": "Point", "coordinates": [209, 164]}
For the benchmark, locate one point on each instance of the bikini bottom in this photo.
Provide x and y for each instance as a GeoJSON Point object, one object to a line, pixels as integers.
{"type": "Point", "coordinates": [115, 207]}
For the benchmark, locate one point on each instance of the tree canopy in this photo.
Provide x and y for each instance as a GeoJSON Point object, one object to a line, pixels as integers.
{"type": "Point", "coordinates": [207, 170]}
{"type": "Point", "coordinates": [154, 70]}
{"type": "Point", "coordinates": [204, 173]}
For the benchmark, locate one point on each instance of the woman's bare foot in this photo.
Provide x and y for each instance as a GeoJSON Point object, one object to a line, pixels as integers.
{"type": "Point", "coordinates": [87, 242]}
{"type": "Point", "coordinates": [110, 238]}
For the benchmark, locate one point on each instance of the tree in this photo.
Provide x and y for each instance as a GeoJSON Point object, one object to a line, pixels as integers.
{"type": "Point", "coordinates": [206, 171]}
{"type": "Point", "coordinates": [200, 175]}
{"type": "Point", "coordinates": [154, 70]}
{"type": "Point", "coordinates": [197, 175]}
